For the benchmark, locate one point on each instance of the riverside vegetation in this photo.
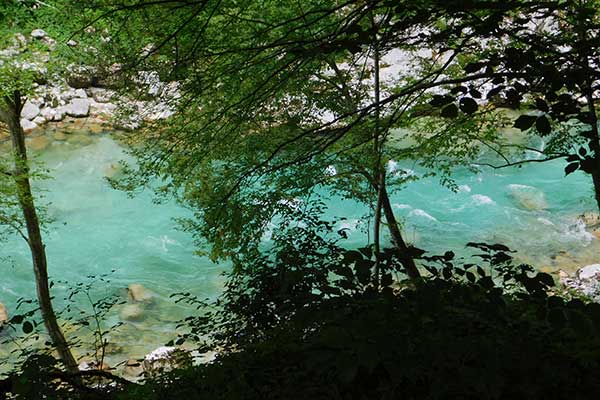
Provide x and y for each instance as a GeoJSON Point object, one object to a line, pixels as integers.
{"type": "Point", "coordinates": [249, 114]}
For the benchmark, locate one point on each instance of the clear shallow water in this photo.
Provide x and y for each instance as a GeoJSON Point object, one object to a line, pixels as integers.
{"type": "Point", "coordinates": [98, 229]}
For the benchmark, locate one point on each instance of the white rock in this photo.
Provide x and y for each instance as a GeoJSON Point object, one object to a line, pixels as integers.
{"type": "Point", "coordinates": [101, 95]}
{"type": "Point", "coordinates": [48, 113]}
{"type": "Point", "coordinates": [165, 359]}
{"type": "Point", "coordinates": [77, 108]}
{"type": "Point", "coordinates": [72, 43]}
{"type": "Point", "coordinates": [40, 120]}
{"type": "Point", "coordinates": [30, 110]}
{"type": "Point", "coordinates": [59, 115]}
{"type": "Point", "coordinates": [38, 34]}
{"type": "Point", "coordinates": [130, 123]}
{"type": "Point", "coordinates": [150, 82]}
{"type": "Point", "coordinates": [10, 52]}
{"type": "Point", "coordinates": [80, 94]}
{"type": "Point", "coordinates": [102, 108]}
{"type": "Point", "coordinates": [589, 271]}
{"type": "Point", "coordinates": [28, 125]}
{"type": "Point", "coordinates": [19, 40]}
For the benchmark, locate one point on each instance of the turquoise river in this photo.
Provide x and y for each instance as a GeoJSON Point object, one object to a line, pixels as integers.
{"type": "Point", "coordinates": [97, 230]}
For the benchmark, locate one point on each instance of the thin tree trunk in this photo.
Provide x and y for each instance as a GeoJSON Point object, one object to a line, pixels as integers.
{"type": "Point", "coordinates": [377, 169]}
{"type": "Point", "coordinates": [11, 114]}
{"type": "Point", "coordinates": [594, 145]}
{"type": "Point", "coordinates": [402, 249]}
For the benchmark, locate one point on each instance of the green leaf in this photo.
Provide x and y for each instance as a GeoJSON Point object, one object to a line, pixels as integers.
{"type": "Point", "coordinates": [545, 278]}
{"type": "Point", "coordinates": [474, 67]}
{"type": "Point", "coordinates": [525, 122]}
{"type": "Point", "coordinates": [541, 105]}
{"type": "Point", "coordinates": [570, 168]}
{"type": "Point", "coordinates": [450, 111]}
{"type": "Point", "coordinates": [27, 327]}
{"type": "Point", "coordinates": [543, 125]}
{"type": "Point", "coordinates": [441, 100]}
{"type": "Point", "coordinates": [468, 105]}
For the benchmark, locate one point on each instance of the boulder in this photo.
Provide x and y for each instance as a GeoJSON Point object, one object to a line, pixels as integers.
{"type": "Point", "coordinates": [28, 125]}
{"type": "Point", "coordinates": [80, 79]}
{"type": "Point", "coordinates": [101, 95]}
{"type": "Point", "coordinates": [80, 94]}
{"type": "Point", "coordinates": [97, 108]}
{"type": "Point", "coordinates": [39, 120]}
{"type": "Point", "coordinates": [30, 110]}
{"type": "Point", "coordinates": [528, 197]}
{"type": "Point", "coordinates": [132, 312]}
{"type": "Point", "coordinates": [138, 293]}
{"type": "Point", "coordinates": [166, 359]}
{"type": "Point", "coordinates": [133, 369]}
{"type": "Point", "coordinates": [72, 43]}
{"type": "Point", "coordinates": [48, 113]}
{"type": "Point", "coordinates": [586, 281]}
{"type": "Point", "coordinates": [77, 108]}
{"type": "Point", "coordinates": [3, 314]}
{"type": "Point", "coordinates": [589, 272]}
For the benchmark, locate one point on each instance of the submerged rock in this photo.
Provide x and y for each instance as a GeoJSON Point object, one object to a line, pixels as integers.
{"type": "Point", "coordinates": [80, 140]}
{"type": "Point", "coordinates": [138, 293]}
{"type": "Point", "coordinates": [113, 171]}
{"type": "Point", "coordinates": [38, 143]}
{"type": "Point", "coordinates": [60, 136]}
{"type": "Point", "coordinates": [528, 197]}
{"type": "Point", "coordinates": [3, 314]}
{"type": "Point", "coordinates": [132, 312]}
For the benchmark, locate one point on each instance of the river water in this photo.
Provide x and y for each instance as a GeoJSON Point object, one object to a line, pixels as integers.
{"type": "Point", "coordinates": [97, 230]}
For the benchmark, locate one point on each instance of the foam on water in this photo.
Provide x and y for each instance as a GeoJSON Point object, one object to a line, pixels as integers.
{"type": "Point", "coordinates": [481, 199]}
{"type": "Point", "coordinates": [417, 212]}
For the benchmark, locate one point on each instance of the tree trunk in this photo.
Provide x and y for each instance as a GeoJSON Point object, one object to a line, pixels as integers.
{"type": "Point", "coordinates": [402, 249]}
{"type": "Point", "coordinates": [11, 115]}
{"type": "Point", "coordinates": [594, 145]}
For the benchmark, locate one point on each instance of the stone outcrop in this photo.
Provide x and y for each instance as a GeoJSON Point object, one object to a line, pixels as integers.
{"type": "Point", "coordinates": [166, 359]}
{"type": "Point", "coordinates": [586, 281]}
{"type": "Point", "coordinates": [86, 91]}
